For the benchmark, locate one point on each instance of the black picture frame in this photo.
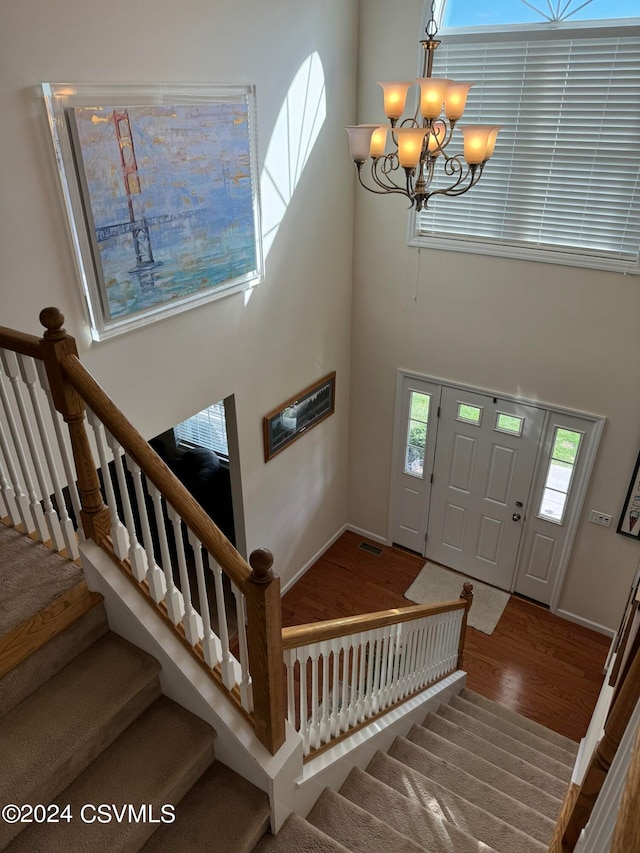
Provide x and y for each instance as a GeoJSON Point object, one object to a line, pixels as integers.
{"type": "Point", "coordinates": [298, 415]}
{"type": "Point", "coordinates": [629, 523]}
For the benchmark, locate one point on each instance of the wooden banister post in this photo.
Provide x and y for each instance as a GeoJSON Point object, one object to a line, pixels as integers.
{"type": "Point", "coordinates": [55, 345]}
{"type": "Point", "coordinates": [467, 596]}
{"type": "Point", "coordinates": [624, 703]}
{"type": "Point", "coordinates": [264, 638]}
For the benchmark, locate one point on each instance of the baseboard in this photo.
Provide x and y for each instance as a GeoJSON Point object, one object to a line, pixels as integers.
{"type": "Point", "coordinates": [315, 557]}
{"type": "Point", "coordinates": [373, 536]}
{"type": "Point", "coordinates": [586, 623]}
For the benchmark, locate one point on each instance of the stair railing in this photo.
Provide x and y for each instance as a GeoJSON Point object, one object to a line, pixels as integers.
{"type": "Point", "coordinates": [149, 524]}
{"type": "Point", "coordinates": [343, 673]}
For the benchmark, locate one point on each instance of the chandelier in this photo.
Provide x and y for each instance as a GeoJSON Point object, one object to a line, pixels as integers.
{"type": "Point", "coordinates": [421, 142]}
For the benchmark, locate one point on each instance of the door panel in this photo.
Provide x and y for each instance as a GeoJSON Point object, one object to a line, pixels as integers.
{"type": "Point", "coordinates": [485, 458]}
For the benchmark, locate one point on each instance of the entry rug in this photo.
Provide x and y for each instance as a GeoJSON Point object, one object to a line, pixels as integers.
{"type": "Point", "coordinates": [435, 583]}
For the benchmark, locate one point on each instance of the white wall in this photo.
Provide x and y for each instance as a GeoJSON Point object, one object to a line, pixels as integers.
{"type": "Point", "coordinates": [295, 327]}
{"type": "Point", "coordinates": [557, 334]}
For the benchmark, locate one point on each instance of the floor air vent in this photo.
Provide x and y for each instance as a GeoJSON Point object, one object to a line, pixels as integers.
{"type": "Point", "coordinates": [371, 549]}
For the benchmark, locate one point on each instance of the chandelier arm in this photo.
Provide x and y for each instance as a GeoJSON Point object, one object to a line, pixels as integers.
{"type": "Point", "coordinates": [386, 189]}
{"type": "Point", "coordinates": [474, 170]}
{"type": "Point", "coordinates": [389, 164]}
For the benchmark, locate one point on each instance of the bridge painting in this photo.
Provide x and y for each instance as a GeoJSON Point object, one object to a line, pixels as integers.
{"type": "Point", "coordinates": [169, 197]}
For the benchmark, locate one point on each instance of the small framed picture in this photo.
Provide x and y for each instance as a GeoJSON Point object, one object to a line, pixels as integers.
{"type": "Point", "coordinates": [629, 524]}
{"type": "Point", "coordinates": [298, 415]}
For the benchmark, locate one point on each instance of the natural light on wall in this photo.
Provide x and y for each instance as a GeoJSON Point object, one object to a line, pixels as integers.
{"type": "Point", "coordinates": [294, 135]}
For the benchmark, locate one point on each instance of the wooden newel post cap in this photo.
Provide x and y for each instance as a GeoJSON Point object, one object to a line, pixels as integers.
{"type": "Point", "coordinates": [467, 591]}
{"type": "Point", "coordinates": [261, 561]}
{"type": "Point", "coordinates": [52, 319]}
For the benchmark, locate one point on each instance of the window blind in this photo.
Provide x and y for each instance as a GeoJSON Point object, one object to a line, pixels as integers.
{"type": "Point", "coordinates": [206, 429]}
{"type": "Point", "coordinates": [565, 176]}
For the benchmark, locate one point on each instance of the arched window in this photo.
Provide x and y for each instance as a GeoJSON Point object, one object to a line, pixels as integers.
{"type": "Point", "coordinates": [563, 79]}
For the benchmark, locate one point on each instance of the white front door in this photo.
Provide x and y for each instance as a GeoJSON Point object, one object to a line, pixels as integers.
{"type": "Point", "coordinates": [484, 463]}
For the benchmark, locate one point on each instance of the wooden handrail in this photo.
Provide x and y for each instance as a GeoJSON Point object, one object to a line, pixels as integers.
{"type": "Point", "coordinates": [624, 702]}
{"type": "Point", "coordinates": [155, 469]}
{"type": "Point", "coordinates": [626, 836]}
{"type": "Point", "coordinates": [330, 629]}
{"type": "Point", "coordinates": [20, 342]}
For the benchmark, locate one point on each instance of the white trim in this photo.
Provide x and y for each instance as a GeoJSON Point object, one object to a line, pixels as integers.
{"type": "Point", "coordinates": [383, 540]}
{"type": "Point", "coordinates": [313, 559]}
{"type": "Point", "coordinates": [586, 623]}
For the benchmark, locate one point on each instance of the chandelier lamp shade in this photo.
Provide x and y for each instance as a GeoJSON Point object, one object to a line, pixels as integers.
{"type": "Point", "coordinates": [420, 143]}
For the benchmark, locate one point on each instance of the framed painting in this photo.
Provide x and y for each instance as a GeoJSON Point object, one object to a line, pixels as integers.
{"type": "Point", "coordinates": [298, 415]}
{"type": "Point", "coordinates": [161, 192]}
{"type": "Point", "coordinates": [629, 524]}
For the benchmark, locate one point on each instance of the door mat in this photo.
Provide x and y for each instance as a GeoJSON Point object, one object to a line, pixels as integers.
{"type": "Point", "coordinates": [435, 583]}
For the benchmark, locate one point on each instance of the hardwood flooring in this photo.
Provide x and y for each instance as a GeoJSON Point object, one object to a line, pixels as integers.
{"type": "Point", "coordinates": [538, 664]}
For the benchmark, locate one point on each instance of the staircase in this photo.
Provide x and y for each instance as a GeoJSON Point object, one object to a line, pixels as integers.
{"type": "Point", "coordinates": [83, 722]}
{"type": "Point", "coordinates": [473, 778]}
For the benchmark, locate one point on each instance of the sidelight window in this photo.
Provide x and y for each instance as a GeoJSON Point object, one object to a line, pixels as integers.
{"type": "Point", "coordinates": [417, 433]}
{"type": "Point", "coordinates": [560, 470]}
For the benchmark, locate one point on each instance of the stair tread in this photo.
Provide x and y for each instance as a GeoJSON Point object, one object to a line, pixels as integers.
{"type": "Point", "coordinates": [351, 825]}
{"type": "Point", "coordinates": [56, 732]}
{"type": "Point", "coordinates": [25, 678]}
{"type": "Point", "coordinates": [474, 790]}
{"type": "Point", "coordinates": [151, 764]}
{"type": "Point", "coordinates": [515, 765]}
{"type": "Point", "coordinates": [519, 719]}
{"type": "Point", "coordinates": [465, 815]}
{"type": "Point", "coordinates": [492, 774]}
{"type": "Point", "coordinates": [506, 742]}
{"type": "Point", "coordinates": [221, 805]}
{"type": "Point", "coordinates": [407, 817]}
{"type": "Point", "coordinates": [299, 836]}
{"type": "Point", "coordinates": [540, 744]}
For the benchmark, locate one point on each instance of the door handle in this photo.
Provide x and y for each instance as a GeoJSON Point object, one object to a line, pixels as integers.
{"type": "Point", "coordinates": [516, 516]}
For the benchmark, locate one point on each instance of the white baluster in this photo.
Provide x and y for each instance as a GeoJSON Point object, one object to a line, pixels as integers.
{"type": "Point", "coordinates": [381, 653]}
{"type": "Point", "coordinates": [155, 577]}
{"type": "Point", "coordinates": [210, 643]}
{"type": "Point", "coordinates": [314, 727]}
{"type": "Point", "coordinates": [304, 717]}
{"type": "Point", "coordinates": [353, 681]}
{"type": "Point", "coordinates": [30, 377]}
{"type": "Point", "coordinates": [344, 709]}
{"type": "Point", "coordinates": [362, 668]}
{"type": "Point", "coordinates": [411, 661]}
{"type": "Point", "coordinates": [433, 629]}
{"type": "Point", "coordinates": [246, 690]}
{"type": "Point", "coordinates": [440, 646]}
{"type": "Point", "coordinates": [290, 663]}
{"type": "Point", "coordinates": [135, 551]}
{"type": "Point", "coordinates": [325, 727]}
{"type": "Point", "coordinates": [173, 596]}
{"type": "Point", "coordinates": [191, 620]}
{"type": "Point", "coordinates": [226, 665]}
{"type": "Point", "coordinates": [371, 663]}
{"type": "Point", "coordinates": [334, 723]}
{"type": "Point", "coordinates": [67, 464]}
{"type": "Point", "coordinates": [8, 496]}
{"type": "Point", "coordinates": [20, 499]}
{"type": "Point", "coordinates": [420, 661]}
{"type": "Point", "coordinates": [10, 363]}
{"type": "Point", "coordinates": [119, 535]}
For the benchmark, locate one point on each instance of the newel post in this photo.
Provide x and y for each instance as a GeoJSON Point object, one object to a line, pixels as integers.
{"type": "Point", "coordinates": [56, 345]}
{"type": "Point", "coordinates": [467, 596]}
{"type": "Point", "coordinates": [264, 638]}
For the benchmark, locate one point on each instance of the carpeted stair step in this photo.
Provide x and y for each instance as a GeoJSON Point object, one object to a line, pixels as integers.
{"type": "Point", "coordinates": [298, 836]}
{"type": "Point", "coordinates": [25, 678]}
{"type": "Point", "coordinates": [464, 785]}
{"type": "Point", "coordinates": [492, 774]}
{"type": "Point", "coordinates": [54, 734]}
{"type": "Point", "coordinates": [355, 828]}
{"type": "Point", "coordinates": [222, 811]}
{"type": "Point", "coordinates": [153, 763]}
{"type": "Point", "coordinates": [509, 744]}
{"type": "Point", "coordinates": [518, 732]}
{"type": "Point", "coordinates": [455, 734]}
{"type": "Point", "coordinates": [532, 726]}
{"type": "Point", "coordinates": [467, 816]}
{"type": "Point", "coordinates": [407, 817]}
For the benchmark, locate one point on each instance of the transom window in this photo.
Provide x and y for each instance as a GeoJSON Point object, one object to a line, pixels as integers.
{"type": "Point", "coordinates": [563, 81]}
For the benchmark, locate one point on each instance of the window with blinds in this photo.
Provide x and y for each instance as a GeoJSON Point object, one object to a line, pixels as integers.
{"type": "Point", "coordinates": [205, 429]}
{"type": "Point", "coordinates": [564, 182]}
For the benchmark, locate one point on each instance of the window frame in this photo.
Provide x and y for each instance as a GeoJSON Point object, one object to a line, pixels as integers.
{"type": "Point", "coordinates": [581, 257]}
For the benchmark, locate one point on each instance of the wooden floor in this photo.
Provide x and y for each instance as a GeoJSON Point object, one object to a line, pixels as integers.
{"type": "Point", "coordinates": [544, 667]}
